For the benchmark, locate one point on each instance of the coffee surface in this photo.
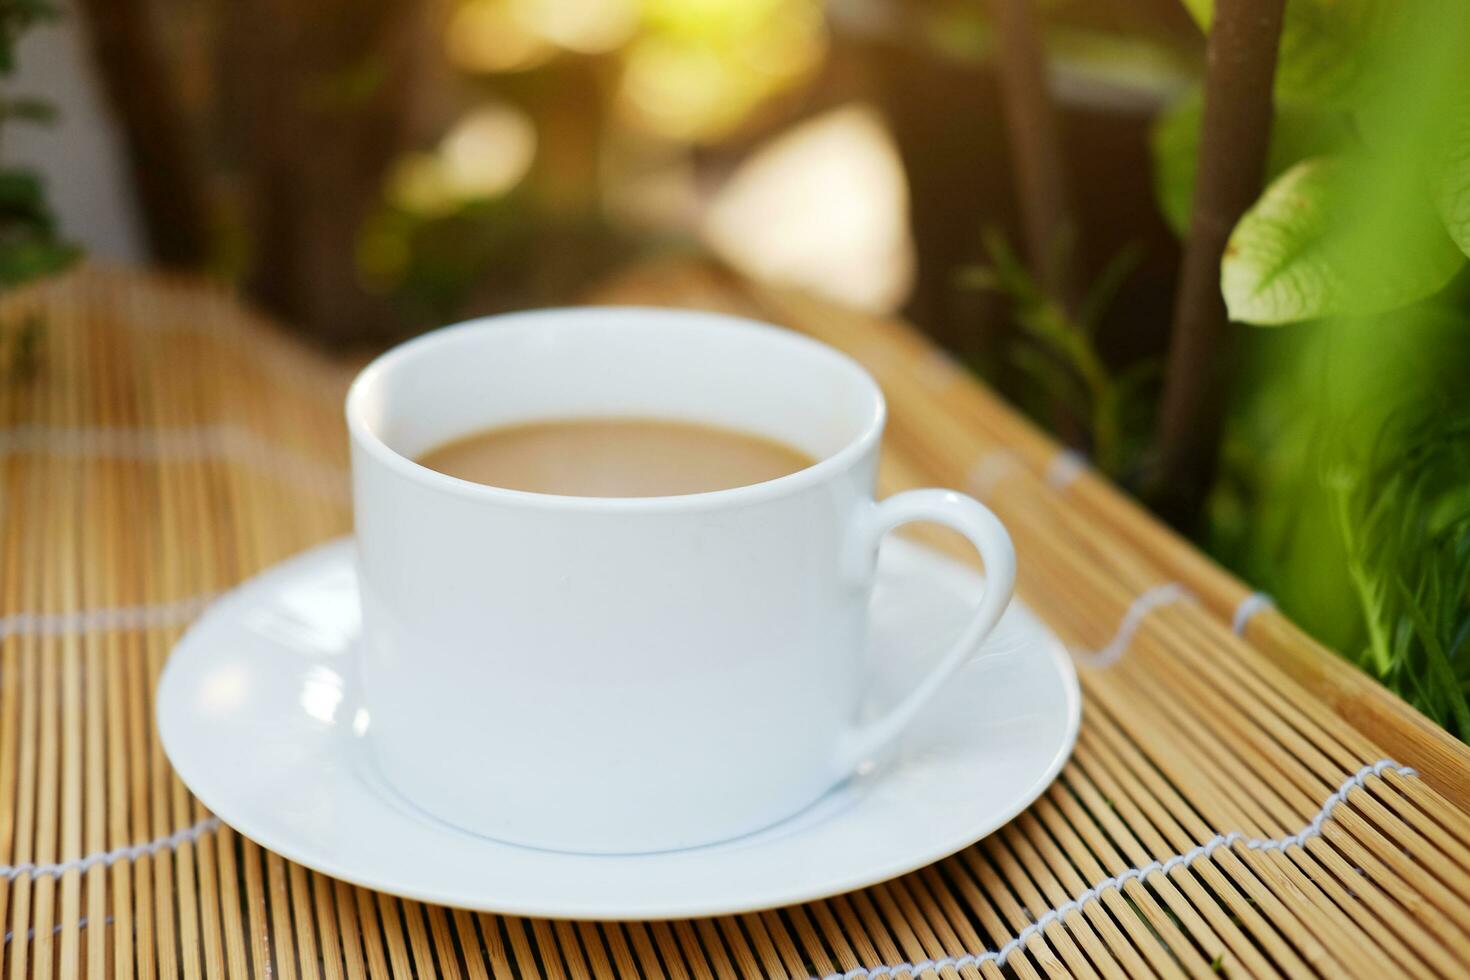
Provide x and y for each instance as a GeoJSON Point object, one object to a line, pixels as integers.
{"type": "Point", "coordinates": [610, 457]}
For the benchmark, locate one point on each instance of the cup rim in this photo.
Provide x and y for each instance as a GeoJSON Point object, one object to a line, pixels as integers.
{"type": "Point", "coordinates": [364, 437]}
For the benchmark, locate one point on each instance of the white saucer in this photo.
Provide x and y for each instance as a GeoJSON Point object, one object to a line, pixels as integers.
{"type": "Point", "coordinates": [258, 713]}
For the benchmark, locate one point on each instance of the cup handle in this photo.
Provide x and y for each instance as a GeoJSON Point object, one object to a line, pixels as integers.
{"type": "Point", "coordinates": [975, 521]}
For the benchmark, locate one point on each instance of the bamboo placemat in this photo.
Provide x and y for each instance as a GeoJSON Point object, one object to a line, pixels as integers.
{"type": "Point", "coordinates": [1223, 812]}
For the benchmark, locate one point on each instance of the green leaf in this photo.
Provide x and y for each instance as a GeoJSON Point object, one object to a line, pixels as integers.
{"type": "Point", "coordinates": [1298, 131]}
{"type": "Point", "coordinates": [1451, 181]}
{"type": "Point", "coordinates": [1052, 377]}
{"type": "Point", "coordinates": [23, 261]}
{"type": "Point", "coordinates": [21, 197]}
{"type": "Point", "coordinates": [1203, 12]}
{"type": "Point", "coordinates": [1174, 143]}
{"type": "Point", "coordinates": [28, 110]}
{"type": "Point", "coordinates": [1328, 48]}
{"type": "Point", "coordinates": [15, 17]}
{"type": "Point", "coordinates": [1335, 236]}
{"type": "Point", "coordinates": [1105, 289]}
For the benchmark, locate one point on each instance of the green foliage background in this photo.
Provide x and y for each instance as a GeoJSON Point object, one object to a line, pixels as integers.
{"type": "Point", "coordinates": [1345, 488]}
{"type": "Point", "coordinates": [29, 244]}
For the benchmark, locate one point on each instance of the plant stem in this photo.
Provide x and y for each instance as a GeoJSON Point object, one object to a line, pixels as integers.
{"type": "Point", "coordinates": [1234, 137]}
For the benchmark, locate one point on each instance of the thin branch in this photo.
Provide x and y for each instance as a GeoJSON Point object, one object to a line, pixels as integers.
{"type": "Point", "coordinates": [1034, 138]}
{"type": "Point", "coordinates": [1234, 137]}
{"type": "Point", "coordinates": [1036, 150]}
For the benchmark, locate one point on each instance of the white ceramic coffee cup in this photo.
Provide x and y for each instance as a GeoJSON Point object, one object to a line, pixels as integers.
{"type": "Point", "coordinates": [629, 674]}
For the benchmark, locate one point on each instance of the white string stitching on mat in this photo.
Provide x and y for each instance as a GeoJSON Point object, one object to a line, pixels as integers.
{"type": "Point", "coordinates": [1066, 466]}
{"type": "Point", "coordinates": [990, 469]}
{"type": "Point", "coordinates": [1116, 882]}
{"type": "Point", "coordinates": [159, 616]}
{"type": "Point", "coordinates": [221, 442]}
{"type": "Point", "coordinates": [1249, 606]}
{"type": "Point", "coordinates": [938, 371]}
{"type": "Point", "coordinates": [56, 929]}
{"type": "Point", "coordinates": [1147, 602]}
{"type": "Point", "coordinates": [106, 858]}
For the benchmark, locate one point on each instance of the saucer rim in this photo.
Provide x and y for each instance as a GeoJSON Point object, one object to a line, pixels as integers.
{"type": "Point", "coordinates": [571, 910]}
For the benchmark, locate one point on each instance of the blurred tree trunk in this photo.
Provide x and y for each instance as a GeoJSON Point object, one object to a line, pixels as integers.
{"type": "Point", "coordinates": [278, 120]}
{"type": "Point", "coordinates": [164, 158]}
{"type": "Point", "coordinates": [1034, 135]}
{"type": "Point", "coordinates": [318, 97]}
{"type": "Point", "coordinates": [959, 183]}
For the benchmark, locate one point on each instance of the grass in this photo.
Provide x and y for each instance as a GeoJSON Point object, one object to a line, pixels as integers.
{"type": "Point", "coordinates": [1405, 520]}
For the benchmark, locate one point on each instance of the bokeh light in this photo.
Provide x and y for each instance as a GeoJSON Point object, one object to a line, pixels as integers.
{"type": "Point", "coordinates": [488, 151]}
{"type": "Point", "coordinates": [679, 90]}
{"type": "Point", "coordinates": [823, 207]}
{"type": "Point", "coordinates": [417, 183]}
{"type": "Point", "coordinates": [484, 155]}
{"type": "Point", "coordinates": [583, 26]}
{"type": "Point", "coordinates": [698, 69]}
{"type": "Point", "coordinates": [490, 36]}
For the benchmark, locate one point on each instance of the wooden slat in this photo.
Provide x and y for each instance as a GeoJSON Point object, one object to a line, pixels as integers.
{"type": "Point", "coordinates": [1195, 732]}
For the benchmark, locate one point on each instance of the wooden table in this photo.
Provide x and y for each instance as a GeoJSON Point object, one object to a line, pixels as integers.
{"type": "Point", "coordinates": [1240, 800]}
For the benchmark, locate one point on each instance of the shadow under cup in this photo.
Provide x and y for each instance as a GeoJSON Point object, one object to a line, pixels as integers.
{"type": "Point", "coordinates": [613, 675]}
